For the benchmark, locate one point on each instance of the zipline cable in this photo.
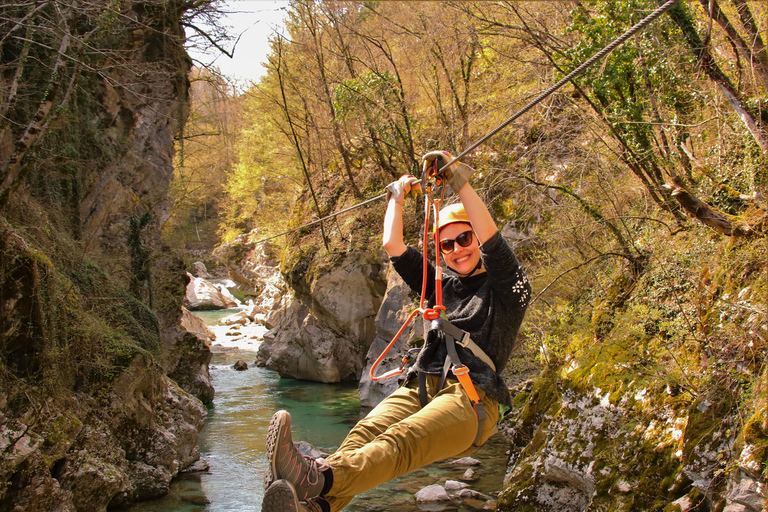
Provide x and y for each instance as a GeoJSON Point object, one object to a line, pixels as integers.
{"type": "Point", "coordinates": [567, 78]}
{"type": "Point", "coordinates": [599, 55]}
{"type": "Point", "coordinates": [345, 210]}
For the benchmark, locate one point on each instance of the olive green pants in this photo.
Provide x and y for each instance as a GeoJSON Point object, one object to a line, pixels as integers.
{"type": "Point", "coordinates": [399, 436]}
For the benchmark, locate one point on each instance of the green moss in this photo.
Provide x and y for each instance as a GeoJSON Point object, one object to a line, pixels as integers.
{"type": "Point", "coordinates": [38, 257]}
{"type": "Point", "coordinates": [755, 433]}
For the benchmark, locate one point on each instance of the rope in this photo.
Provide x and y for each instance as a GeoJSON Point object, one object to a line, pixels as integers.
{"type": "Point", "coordinates": [567, 78]}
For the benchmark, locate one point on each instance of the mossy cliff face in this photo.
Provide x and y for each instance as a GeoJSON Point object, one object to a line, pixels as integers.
{"type": "Point", "coordinates": [646, 418]}
{"type": "Point", "coordinates": [90, 298]}
{"type": "Point", "coordinates": [582, 449]}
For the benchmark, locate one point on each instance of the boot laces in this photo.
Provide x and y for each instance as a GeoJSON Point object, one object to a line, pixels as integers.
{"type": "Point", "coordinates": [314, 468]}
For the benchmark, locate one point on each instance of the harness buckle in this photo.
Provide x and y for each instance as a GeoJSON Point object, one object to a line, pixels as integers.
{"type": "Point", "coordinates": [465, 340]}
{"type": "Point", "coordinates": [459, 370]}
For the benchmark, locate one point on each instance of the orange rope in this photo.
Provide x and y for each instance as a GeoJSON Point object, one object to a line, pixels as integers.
{"type": "Point", "coordinates": [434, 312]}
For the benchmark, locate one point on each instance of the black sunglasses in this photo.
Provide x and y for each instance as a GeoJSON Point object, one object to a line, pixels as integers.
{"type": "Point", "coordinates": [464, 239]}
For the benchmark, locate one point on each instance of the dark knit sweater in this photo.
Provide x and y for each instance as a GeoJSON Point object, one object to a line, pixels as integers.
{"type": "Point", "coordinates": [489, 306]}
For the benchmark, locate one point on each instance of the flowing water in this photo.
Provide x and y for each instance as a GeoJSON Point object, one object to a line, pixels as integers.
{"type": "Point", "coordinates": [233, 438]}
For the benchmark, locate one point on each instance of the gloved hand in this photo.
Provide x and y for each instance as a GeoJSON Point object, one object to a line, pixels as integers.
{"type": "Point", "coordinates": [457, 175]}
{"type": "Point", "coordinates": [402, 187]}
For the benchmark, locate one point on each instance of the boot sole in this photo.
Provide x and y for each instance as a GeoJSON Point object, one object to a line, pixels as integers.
{"type": "Point", "coordinates": [280, 420]}
{"type": "Point", "coordinates": [280, 497]}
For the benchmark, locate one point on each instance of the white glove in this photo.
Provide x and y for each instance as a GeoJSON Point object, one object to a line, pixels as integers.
{"type": "Point", "coordinates": [402, 187]}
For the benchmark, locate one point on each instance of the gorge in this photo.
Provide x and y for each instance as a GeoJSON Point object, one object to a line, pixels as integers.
{"type": "Point", "coordinates": [635, 199]}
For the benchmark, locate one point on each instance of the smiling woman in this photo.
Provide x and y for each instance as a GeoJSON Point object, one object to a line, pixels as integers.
{"type": "Point", "coordinates": [440, 410]}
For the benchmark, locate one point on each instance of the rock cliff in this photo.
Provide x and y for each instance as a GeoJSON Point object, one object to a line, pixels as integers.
{"type": "Point", "coordinates": [394, 310]}
{"type": "Point", "coordinates": [326, 329]}
{"type": "Point", "coordinates": [101, 388]}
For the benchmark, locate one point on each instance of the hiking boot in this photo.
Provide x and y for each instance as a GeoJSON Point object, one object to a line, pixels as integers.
{"type": "Point", "coordinates": [286, 463]}
{"type": "Point", "coordinates": [281, 497]}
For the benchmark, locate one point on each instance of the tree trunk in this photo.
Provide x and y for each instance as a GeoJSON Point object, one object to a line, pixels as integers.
{"type": "Point", "coordinates": [36, 128]}
{"type": "Point", "coordinates": [320, 60]}
{"type": "Point", "coordinates": [295, 140]}
{"type": "Point", "coordinates": [713, 9]}
{"type": "Point", "coordinates": [759, 50]}
{"type": "Point", "coordinates": [708, 64]}
{"type": "Point", "coordinates": [702, 211]}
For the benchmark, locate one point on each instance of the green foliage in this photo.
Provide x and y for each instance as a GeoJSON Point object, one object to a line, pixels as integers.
{"type": "Point", "coordinates": [373, 100]}
{"type": "Point", "coordinates": [263, 184]}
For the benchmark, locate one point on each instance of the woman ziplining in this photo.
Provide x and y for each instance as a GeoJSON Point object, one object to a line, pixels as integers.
{"type": "Point", "coordinates": [448, 401]}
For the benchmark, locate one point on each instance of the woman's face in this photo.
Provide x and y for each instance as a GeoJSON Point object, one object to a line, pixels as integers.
{"type": "Point", "coordinates": [462, 259]}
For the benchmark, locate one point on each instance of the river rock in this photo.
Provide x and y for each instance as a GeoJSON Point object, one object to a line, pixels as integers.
{"type": "Point", "coordinates": [240, 318]}
{"type": "Point", "coordinates": [470, 494]}
{"type": "Point", "coordinates": [324, 333]}
{"type": "Point", "coordinates": [432, 493]}
{"type": "Point", "coordinates": [240, 365]}
{"type": "Point", "coordinates": [203, 295]}
{"type": "Point", "coordinates": [395, 309]}
{"type": "Point", "coordinates": [453, 485]}
{"type": "Point", "coordinates": [199, 466]}
{"type": "Point", "coordinates": [465, 461]}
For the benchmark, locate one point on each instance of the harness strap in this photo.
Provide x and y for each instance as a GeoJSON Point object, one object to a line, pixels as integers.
{"type": "Point", "coordinates": [463, 339]}
{"type": "Point", "coordinates": [451, 335]}
{"type": "Point", "coordinates": [461, 372]}
{"type": "Point", "coordinates": [423, 396]}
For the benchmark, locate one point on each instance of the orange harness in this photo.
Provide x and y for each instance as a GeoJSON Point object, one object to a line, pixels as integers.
{"type": "Point", "coordinates": [436, 315]}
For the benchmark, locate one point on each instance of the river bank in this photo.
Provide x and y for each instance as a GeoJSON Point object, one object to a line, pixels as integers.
{"type": "Point", "coordinates": [232, 441]}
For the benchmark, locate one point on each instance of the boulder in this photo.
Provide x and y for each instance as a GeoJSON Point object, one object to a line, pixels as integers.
{"type": "Point", "coordinates": [155, 424]}
{"type": "Point", "coordinates": [432, 493]}
{"type": "Point", "coordinates": [453, 485]}
{"type": "Point", "coordinates": [465, 461]}
{"type": "Point", "coordinates": [203, 295]}
{"type": "Point", "coordinates": [192, 323]}
{"type": "Point", "coordinates": [240, 365]}
{"type": "Point", "coordinates": [188, 355]}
